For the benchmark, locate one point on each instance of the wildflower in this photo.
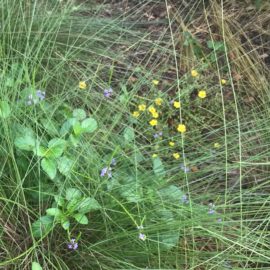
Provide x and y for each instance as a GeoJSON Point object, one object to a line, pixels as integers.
{"type": "Point", "coordinates": [184, 199]}
{"type": "Point", "coordinates": [157, 135]}
{"type": "Point", "coordinates": [82, 85]}
{"type": "Point", "coordinates": [155, 114]}
{"type": "Point", "coordinates": [223, 81]}
{"type": "Point", "coordinates": [72, 244]}
{"type": "Point", "coordinates": [184, 168]}
{"type": "Point", "coordinates": [136, 114]}
{"type": "Point", "coordinates": [113, 162]}
{"type": "Point", "coordinates": [108, 92]}
{"type": "Point", "coordinates": [219, 220]}
{"type": "Point", "coordinates": [171, 143]}
{"type": "Point", "coordinates": [155, 82]}
{"type": "Point", "coordinates": [176, 155]}
{"type": "Point", "coordinates": [36, 97]}
{"type": "Point", "coordinates": [140, 227]}
{"type": "Point", "coordinates": [181, 128]}
{"type": "Point", "coordinates": [152, 109]}
{"type": "Point", "coordinates": [142, 236]}
{"type": "Point", "coordinates": [154, 156]}
{"type": "Point", "coordinates": [211, 211]}
{"type": "Point", "coordinates": [158, 101]}
{"type": "Point", "coordinates": [153, 122]}
{"type": "Point", "coordinates": [142, 107]}
{"type": "Point", "coordinates": [106, 171]}
{"type": "Point", "coordinates": [176, 104]}
{"type": "Point", "coordinates": [194, 73]}
{"type": "Point", "coordinates": [216, 145]}
{"type": "Point", "coordinates": [202, 94]}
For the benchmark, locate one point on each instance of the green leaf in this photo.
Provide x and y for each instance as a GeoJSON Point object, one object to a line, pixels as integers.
{"type": "Point", "coordinates": [25, 142]}
{"type": "Point", "coordinates": [81, 218]}
{"type": "Point", "coordinates": [56, 148]}
{"type": "Point", "coordinates": [158, 167]}
{"type": "Point", "coordinates": [77, 128]}
{"type": "Point", "coordinates": [171, 193]}
{"type": "Point", "coordinates": [73, 193]}
{"type": "Point", "coordinates": [64, 165]}
{"type": "Point", "coordinates": [50, 126]}
{"type": "Point", "coordinates": [49, 166]}
{"type": "Point", "coordinates": [36, 266]}
{"type": "Point", "coordinates": [59, 200]}
{"type": "Point", "coordinates": [4, 109]}
{"type": "Point", "coordinates": [129, 134]}
{"type": "Point", "coordinates": [54, 212]}
{"type": "Point", "coordinates": [74, 140]}
{"type": "Point", "coordinates": [65, 223]}
{"type": "Point", "coordinates": [89, 125]}
{"type": "Point", "coordinates": [65, 129]}
{"type": "Point", "coordinates": [79, 114]}
{"type": "Point", "coordinates": [41, 151]}
{"type": "Point", "coordinates": [42, 226]}
{"type": "Point", "coordinates": [88, 204]}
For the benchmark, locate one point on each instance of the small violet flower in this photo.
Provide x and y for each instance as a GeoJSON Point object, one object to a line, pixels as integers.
{"type": "Point", "coordinates": [73, 245]}
{"type": "Point", "coordinates": [106, 171]}
{"type": "Point", "coordinates": [142, 236]}
{"type": "Point", "coordinates": [184, 168]}
{"type": "Point", "coordinates": [113, 162]}
{"type": "Point", "coordinates": [36, 98]}
{"type": "Point", "coordinates": [157, 135]}
{"type": "Point", "coordinates": [211, 210]}
{"type": "Point", "coordinates": [184, 199]}
{"type": "Point", "coordinates": [108, 92]}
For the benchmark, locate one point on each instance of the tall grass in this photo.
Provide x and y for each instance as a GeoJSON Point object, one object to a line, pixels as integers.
{"type": "Point", "coordinates": [52, 45]}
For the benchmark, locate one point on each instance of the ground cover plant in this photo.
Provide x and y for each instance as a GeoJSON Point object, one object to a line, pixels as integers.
{"type": "Point", "coordinates": [134, 134]}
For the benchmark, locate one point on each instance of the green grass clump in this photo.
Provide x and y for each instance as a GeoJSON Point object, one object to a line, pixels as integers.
{"type": "Point", "coordinates": [133, 139]}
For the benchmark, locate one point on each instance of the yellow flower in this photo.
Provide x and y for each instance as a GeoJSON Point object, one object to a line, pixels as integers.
{"type": "Point", "coordinates": [154, 156]}
{"type": "Point", "coordinates": [177, 104]}
{"type": "Point", "coordinates": [181, 128]}
{"type": "Point", "coordinates": [155, 82]}
{"type": "Point", "coordinates": [202, 94]}
{"type": "Point", "coordinates": [136, 114]}
{"type": "Point", "coordinates": [171, 143]}
{"type": "Point", "coordinates": [176, 155]}
{"type": "Point", "coordinates": [216, 145]}
{"type": "Point", "coordinates": [158, 101]}
{"type": "Point", "coordinates": [153, 122]}
{"type": "Point", "coordinates": [155, 115]}
{"type": "Point", "coordinates": [152, 109]}
{"type": "Point", "coordinates": [142, 107]}
{"type": "Point", "coordinates": [82, 85]}
{"type": "Point", "coordinates": [223, 81]}
{"type": "Point", "coordinates": [194, 73]}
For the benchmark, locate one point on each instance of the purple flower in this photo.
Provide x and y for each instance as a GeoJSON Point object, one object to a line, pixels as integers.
{"type": "Point", "coordinates": [142, 236]}
{"type": "Point", "coordinates": [36, 98]}
{"type": "Point", "coordinates": [219, 220]}
{"type": "Point", "coordinates": [72, 244]}
{"type": "Point", "coordinates": [184, 168]}
{"type": "Point", "coordinates": [184, 199]}
{"type": "Point", "coordinates": [113, 162]}
{"type": "Point", "coordinates": [211, 211]}
{"type": "Point", "coordinates": [157, 135]}
{"type": "Point", "coordinates": [108, 92]}
{"type": "Point", "coordinates": [106, 171]}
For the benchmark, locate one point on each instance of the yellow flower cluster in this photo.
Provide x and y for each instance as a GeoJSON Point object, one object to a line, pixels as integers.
{"type": "Point", "coordinates": [82, 85]}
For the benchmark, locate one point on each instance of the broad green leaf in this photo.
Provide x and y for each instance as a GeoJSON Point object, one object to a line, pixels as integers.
{"type": "Point", "coordinates": [81, 218]}
{"type": "Point", "coordinates": [50, 126]}
{"type": "Point", "coordinates": [79, 114]}
{"type": "Point", "coordinates": [171, 193]}
{"type": "Point", "coordinates": [73, 193]}
{"type": "Point", "coordinates": [54, 212]}
{"type": "Point", "coordinates": [41, 151]}
{"type": "Point", "coordinates": [4, 109]}
{"type": "Point", "coordinates": [65, 223]}
{"type": "Point", "coordinates": [42, 226]}
{"type": "Point", "coordinates": [77, 128]}
{"type": "Point", "coordinates": [59, 200]}
{"type": "Point", "coordinates": [49, 166]}
{"type": "Point", "coordinates": [64, 165]}
{"type": "Point", "coordinates": [129, 134]}
{"type": "Point", "coordinates": [88, 204]}
{"type": "Point", "coordinates": [25, 142]}
{"type": "Point", "coordinates": [89, 125]}
{"type": "Point", "coordinates": [36, 266]}
{"type": "Point", "coordinates": [158, 167]}
{"type": "Point", "coordinates": [74, 140]}
{"type": "Point", "coordinates": [56, 148]}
